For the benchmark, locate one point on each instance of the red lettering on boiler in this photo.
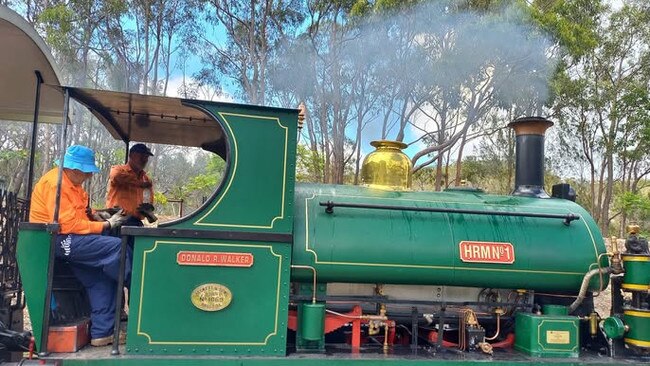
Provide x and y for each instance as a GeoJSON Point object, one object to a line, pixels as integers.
{"type": "Point", "coordinates": [486, 252]}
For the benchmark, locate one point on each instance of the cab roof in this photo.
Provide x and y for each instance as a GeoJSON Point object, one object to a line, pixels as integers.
{"type": "Point", "coordinates": [23, 54]}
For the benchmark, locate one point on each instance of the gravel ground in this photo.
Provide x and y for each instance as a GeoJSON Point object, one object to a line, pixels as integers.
{"type": "Point", "coordinates": [603, 301]}
{"type": "Point", "coordinates": [27, 323]}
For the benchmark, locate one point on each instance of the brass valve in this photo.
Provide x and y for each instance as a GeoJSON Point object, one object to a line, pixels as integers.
{"type": "Point", "coordinates": [632, 229]}
{"type": "Point", "coordinates": [374, 326]}
{"type": "Point", "coordinates": [486, 347]}
{"type": "Point", "coordinates": [376, 322]}
{"type": "Point", "coordinates": [593, 324]}
{"type": "Point", "coordinates": [470, 319]}
{"type": "Point", "coordinates": [615, 262]}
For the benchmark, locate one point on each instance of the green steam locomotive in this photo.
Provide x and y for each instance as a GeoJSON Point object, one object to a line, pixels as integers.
{"type": "Point", "coordinates": [274, 272]}
{"type": "Point", "coordinates": [269, 271]}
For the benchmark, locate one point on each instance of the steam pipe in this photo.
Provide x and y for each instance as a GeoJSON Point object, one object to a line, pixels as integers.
{"type": "Point", "coordinates": [498, 329]}
{"type": "Point", "coordinates": [313, 296]}
{"type": "Point", "coordinates": [585, 286]}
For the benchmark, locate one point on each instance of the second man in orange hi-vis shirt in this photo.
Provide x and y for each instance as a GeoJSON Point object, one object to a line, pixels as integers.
{"type": "Point", "coordinates": [129, 186]}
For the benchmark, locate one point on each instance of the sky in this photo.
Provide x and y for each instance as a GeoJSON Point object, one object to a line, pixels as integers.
{"type": "Point", "coordinates": [413, 133]}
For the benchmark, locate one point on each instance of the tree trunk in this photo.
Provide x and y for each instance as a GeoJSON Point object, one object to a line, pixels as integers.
{"type": "Point", "coordinates": [459, 160]}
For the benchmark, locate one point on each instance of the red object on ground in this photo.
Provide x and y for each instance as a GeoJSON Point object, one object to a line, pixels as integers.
{"type": "Point", "coordinates": [69, 338]}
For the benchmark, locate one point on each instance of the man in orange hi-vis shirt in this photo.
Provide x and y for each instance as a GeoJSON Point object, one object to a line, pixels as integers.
{"type": "Point", "coordinates": [93, 258]}
{"type": "Point", "coordinates": [129, 186]}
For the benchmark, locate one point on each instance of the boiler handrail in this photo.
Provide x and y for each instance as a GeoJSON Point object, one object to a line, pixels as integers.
{"type": "Point", "coordinates": [329, 208]}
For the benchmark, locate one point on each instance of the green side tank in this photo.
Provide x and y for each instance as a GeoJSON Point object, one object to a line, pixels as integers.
{"type": "Point", "coordinates": [363, 245]}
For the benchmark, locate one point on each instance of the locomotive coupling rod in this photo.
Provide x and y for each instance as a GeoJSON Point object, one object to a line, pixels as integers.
{"type": "Point", "coordinates": [329, 208]}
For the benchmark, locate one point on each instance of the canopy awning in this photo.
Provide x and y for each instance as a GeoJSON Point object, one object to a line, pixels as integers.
{"type": "Point", "coordinates": [152, 119]}
{"type": "Point", "coordinates": [23, 53]}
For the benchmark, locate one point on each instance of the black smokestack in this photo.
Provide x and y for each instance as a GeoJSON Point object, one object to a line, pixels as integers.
{"type": "Point", "coordinates": [529, 152]}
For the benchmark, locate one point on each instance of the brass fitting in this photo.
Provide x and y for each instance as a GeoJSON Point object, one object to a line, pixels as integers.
{"type": "Point", "coordinates": [486, 348]}
{"type": "Point", "coordinates": [470, 319]}
{"type": "Point", "coordinates": [616, 262]}
{"type": "Point", "coordinates": [385, 336]}
{"type": "Point", "coordinates": [374, 327]}
{"type": "Point", "coordinates": [593, 324]}
{"type": "Point", "coordinates": [377, 321]}
{"type": "Point", "coordinates": [632, 229]}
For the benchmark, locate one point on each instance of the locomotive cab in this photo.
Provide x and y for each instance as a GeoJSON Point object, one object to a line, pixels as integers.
{"type": "Point", "coordinates": [208, 270]}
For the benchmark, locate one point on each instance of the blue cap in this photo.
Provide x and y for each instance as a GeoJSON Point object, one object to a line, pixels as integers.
{"type": "Point", "coordinates": [80, 158]}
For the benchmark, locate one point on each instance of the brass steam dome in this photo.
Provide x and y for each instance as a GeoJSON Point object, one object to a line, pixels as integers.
{"type": "Point", "coordinates": [387, 167]}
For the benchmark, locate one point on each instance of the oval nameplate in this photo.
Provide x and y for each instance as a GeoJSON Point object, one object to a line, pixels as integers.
{"type": "Point", "coordinates": [211, 297]}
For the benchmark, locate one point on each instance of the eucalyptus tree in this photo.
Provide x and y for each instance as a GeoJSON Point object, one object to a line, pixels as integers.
{"type": "Point", "coordinates": [458, 66]}
{"type": "Point", "coordinates": [602, 105]}
{"type": "Point", "coordinates": [253, 29]}
{"type": "Point", "coordinates": [328, 67]}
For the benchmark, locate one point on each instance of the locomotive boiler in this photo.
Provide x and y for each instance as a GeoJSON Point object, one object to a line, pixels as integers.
{"type": "Point", "coordinates": [385, 233]}
{"type": "Point", "coordinates": [461, 248]}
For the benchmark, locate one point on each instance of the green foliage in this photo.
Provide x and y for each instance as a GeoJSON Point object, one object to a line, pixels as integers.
{"type": "Point", "coordinates": [190, 177]}
{"type": "Point", "coordinates": [636, 206]}
{"type": "Point", "coordinates": [489, 174]}
{"type": "Point", "coordinates": [160, 198]}
{"type": "Point", "coordinates": [205, 183]}
{"type": "Point", "coordinates": [117, 41]}
{"type": "Point", "coordinates": [629, 202]}
{"type": "Point", "coordinates": [13, 154]}
{"type": "Point", "coordinates": [573, 23]}
{"type": "Point", "coordinates": [309, 165]}
{"type": "Point", "coordinates": [58, 21]}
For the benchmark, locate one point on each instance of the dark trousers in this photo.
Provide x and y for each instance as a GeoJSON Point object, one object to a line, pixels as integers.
{"type": "Point", "coordinates": [95, 261]}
